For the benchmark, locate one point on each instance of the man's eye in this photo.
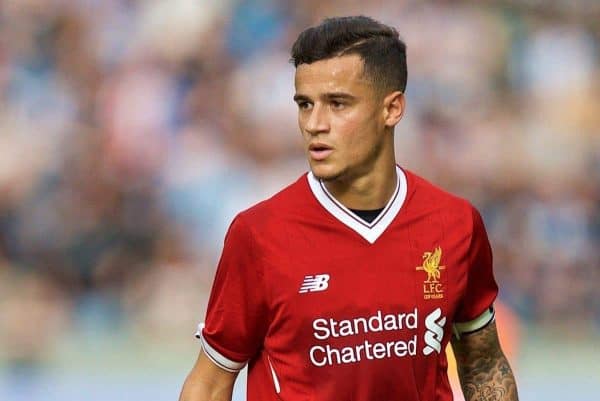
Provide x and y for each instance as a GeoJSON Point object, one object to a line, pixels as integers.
{"type": "Point", "coordinates": [304, 105]}
{"type": "Point", "coordinates": [337, 105]}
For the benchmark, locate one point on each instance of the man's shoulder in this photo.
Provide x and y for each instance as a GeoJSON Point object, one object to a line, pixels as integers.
{"type": "Point", "coordinates": [427, 195]}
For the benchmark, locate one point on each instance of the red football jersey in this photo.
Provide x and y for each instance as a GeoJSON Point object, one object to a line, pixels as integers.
{"type": "Point", "coordinates": [325, 306]}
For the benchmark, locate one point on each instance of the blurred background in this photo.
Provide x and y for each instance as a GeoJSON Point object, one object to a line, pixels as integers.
{"type": "Point", "coordinates": [132, 131]}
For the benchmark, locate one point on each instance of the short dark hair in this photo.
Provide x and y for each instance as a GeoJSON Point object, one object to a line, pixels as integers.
{"type": "Point", "coordinates": [379, 46]}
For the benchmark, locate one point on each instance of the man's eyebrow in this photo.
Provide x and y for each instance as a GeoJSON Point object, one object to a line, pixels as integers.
{"type": "Point", "coordinates": [339, 95]}
{"type": "Point", "coordinates": [328, 96]}
{"type": "Point", "coordinates": [298, 98]}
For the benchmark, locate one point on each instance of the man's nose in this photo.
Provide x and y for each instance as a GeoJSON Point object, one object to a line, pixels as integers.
{"type": "Point", "coordinates": [317, 121]}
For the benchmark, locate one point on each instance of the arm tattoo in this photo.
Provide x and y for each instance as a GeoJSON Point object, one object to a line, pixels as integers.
{"type": "Point", "coordinates": [484, 372]}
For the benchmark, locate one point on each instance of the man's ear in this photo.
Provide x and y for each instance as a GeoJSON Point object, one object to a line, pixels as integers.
{"type": "Point", "coordinates": [393, 108]}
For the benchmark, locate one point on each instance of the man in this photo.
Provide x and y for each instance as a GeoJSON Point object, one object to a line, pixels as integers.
{"type": "Point", "coordinates": [349, 283]}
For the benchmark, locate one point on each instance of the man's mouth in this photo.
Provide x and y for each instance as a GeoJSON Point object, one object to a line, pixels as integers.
{"type": "Point", "coordinates": [319, 151]}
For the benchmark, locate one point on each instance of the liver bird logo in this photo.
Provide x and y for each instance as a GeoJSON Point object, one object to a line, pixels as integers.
{"type": "Point", "coordinates": [431, 265]}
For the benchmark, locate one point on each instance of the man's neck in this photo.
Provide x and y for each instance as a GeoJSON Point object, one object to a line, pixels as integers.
{"type": "Point", "coordinates": [367, 192]}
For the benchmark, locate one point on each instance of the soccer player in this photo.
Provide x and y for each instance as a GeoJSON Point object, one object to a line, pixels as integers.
{"type": "Point", "coordinates": [349, 283]}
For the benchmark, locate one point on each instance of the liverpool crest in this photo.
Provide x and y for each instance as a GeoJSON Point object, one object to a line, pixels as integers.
{"type": "Point", "coordinates": [432, 288]}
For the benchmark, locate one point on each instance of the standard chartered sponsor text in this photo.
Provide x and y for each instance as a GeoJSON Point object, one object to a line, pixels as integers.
{"type": "Point", "coordinates": [325, 354]}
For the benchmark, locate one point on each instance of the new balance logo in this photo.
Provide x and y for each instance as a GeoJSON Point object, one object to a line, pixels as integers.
{"type": "Point", "coordinates": [319, 282]}
{"type": "Point", "coordinates": [435, 331]}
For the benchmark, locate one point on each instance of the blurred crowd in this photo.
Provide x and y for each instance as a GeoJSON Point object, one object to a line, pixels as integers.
{"type": "Point", "coordinates": [132, 131]}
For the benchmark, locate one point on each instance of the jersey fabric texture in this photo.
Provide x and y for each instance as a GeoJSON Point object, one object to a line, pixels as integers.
{"type": "Point", "coordinates": [322, 305]}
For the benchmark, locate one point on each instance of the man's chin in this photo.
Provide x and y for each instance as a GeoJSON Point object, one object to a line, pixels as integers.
{"type": "Point", "coordinates": [324, 173]}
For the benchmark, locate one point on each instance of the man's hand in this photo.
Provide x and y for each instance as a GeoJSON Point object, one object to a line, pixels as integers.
{"type": "Point", "coordinates": [484, 372]}
{"type": "Point", "coordinates": [207, 382]}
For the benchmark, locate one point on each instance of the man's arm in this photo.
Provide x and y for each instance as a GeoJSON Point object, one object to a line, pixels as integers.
{"type": "Point", "coordinates": [207, 382]}
{"type": "Point", "coordinates": [484, 372]}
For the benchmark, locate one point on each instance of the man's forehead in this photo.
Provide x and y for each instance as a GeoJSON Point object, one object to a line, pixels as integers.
{"type": "Point", "coordinates": [332, 72]}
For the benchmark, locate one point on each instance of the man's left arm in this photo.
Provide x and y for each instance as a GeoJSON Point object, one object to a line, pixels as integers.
{"type": "Point", "coordinates": [483, 370]}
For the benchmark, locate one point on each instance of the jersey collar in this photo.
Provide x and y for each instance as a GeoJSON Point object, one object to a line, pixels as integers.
{"type": "Point", "coordinates": [369, 231]}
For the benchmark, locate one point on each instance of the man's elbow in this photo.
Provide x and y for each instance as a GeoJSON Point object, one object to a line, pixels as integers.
{"type": "Point", "coordinates": [207, 382]}
{"type": "Point", "coordinates": [198, 390]}
{"type": "Point", "coordinates": [194, 391]}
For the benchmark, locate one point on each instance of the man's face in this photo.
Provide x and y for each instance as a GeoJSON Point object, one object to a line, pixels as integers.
{"type": "Point", "coordinates": [340, 117]}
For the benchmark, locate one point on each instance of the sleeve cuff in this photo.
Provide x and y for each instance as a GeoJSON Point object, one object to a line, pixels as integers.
{"type": "Point", "coordinates": [481, 321]}
{"type": "Point", "coordinates": [215, 356]}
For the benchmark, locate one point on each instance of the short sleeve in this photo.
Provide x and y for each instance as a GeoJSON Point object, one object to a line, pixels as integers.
{"type": "Point", "coordinates": [481, 288]}
{"type": "Point", "coordinates": [236, 317]}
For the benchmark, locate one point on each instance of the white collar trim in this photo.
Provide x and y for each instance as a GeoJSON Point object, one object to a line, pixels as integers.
{"type": "Point", "coordinates": [369, 231]}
